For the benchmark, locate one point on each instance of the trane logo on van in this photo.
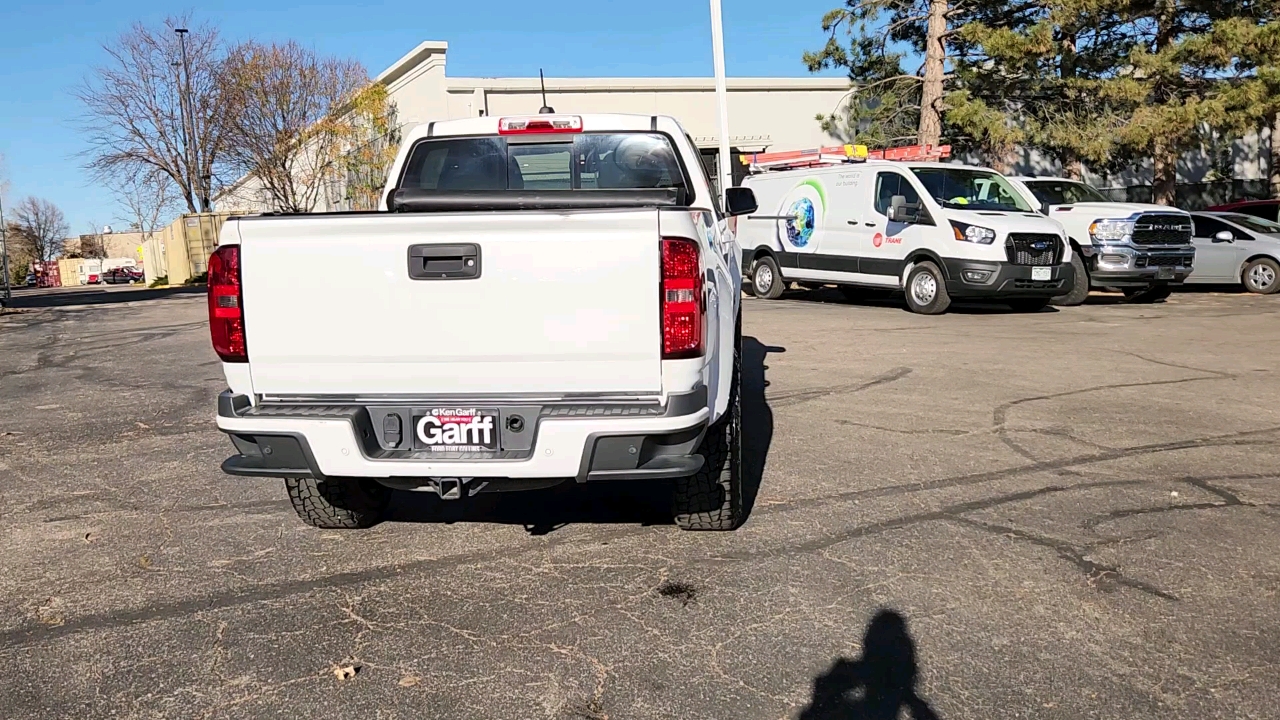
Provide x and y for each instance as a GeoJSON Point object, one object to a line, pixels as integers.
{"type": "Point", "coordinates": [457, 428]}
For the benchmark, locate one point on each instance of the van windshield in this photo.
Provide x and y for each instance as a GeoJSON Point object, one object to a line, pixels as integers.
{"type": "Point", "coordinates": [589, 161]}
{"type": "Point", "coordinates": [969, 189]}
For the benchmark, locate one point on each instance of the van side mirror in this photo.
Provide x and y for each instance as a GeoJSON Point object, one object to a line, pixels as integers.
{"type": "Point", "coordinates": [740, 201]}
{"type": "Point", "coordinates": [1224, 236]}
{"type": "Point", "coordinates": [902, 211]}
{"type": "Point", "coordinates": [1044, 208]}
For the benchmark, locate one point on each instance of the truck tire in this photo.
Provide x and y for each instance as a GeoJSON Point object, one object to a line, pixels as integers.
{"type": "Point", "coordinates": [1029, 305]}
{"type": "Point", "coordinates": [338, 503]}
{"type": "Point", "coordinates": [766, 280]}
{"type": "Point", "coordinates": [1148, 294]}
{"type": "Point", "coordinates": [712, 498]}
{"type": "Point", "coordinates": [927, 289]}
{"type": "Point", "coordinates": [1261, 276]}
{"type": "Point", "coordinates": [1080, 291]}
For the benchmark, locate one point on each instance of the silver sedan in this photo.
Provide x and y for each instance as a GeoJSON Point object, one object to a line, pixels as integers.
{"type": "Point", "coordinates": [1238, 249]}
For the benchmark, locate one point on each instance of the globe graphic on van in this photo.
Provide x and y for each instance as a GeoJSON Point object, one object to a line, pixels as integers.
{"type": "Point", "coordinates": [800, 226]}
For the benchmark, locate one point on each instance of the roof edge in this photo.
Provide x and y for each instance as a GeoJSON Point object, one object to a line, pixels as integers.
{"type": "Point", "coordinates": [412, 59]}
{"type": "Point", "coordinates": [645, 83]}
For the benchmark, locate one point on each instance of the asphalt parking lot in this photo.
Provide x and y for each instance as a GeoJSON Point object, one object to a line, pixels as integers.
{"type": "Point", "coordinates": [1076, 514]}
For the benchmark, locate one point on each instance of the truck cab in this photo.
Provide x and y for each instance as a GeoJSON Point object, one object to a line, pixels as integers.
{"type": "Point", "coordinates": [1143, 249]}
{"type": "Point", "coordinates": [933, 231]}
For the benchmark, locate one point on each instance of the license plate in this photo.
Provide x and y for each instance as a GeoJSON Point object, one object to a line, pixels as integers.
{"type": "Point", "coordinates": [1164, 273]}
{"type": "Point", "coordinates": [459, 429]}
{"type": "Point", "coordinates": [1041, 273]}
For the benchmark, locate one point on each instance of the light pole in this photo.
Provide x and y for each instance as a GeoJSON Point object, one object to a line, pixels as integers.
{"type": "Point", "coordinates": [4, 249]}
{"type": "Point", "coordinates": [198, 192]}
{"type": "Point", "coordinates": [722, 95]}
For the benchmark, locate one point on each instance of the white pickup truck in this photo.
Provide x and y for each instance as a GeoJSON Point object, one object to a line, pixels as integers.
{"type": "Point", "coordinates": [1142, 249]}
{"type": "Point", "coordinates": [540, 299]}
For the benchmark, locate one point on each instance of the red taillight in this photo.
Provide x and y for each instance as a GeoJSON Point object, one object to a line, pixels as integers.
{"type": "Point", "coordinates": [682, 310]}
{"type": "Point", "coordinates": [226, 317]}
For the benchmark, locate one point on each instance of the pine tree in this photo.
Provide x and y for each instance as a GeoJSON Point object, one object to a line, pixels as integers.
{"type": "Point", "coordinates": [889, 96]}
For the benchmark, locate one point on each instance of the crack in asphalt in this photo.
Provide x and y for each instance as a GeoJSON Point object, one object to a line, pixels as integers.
{"type": "Point", "coordinates": [795, 397]}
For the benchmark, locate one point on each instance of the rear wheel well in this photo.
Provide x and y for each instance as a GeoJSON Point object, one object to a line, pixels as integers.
{"type": "Point", "coordinates": [1256, 256]}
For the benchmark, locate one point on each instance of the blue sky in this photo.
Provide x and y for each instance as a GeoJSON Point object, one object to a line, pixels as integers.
{"type": "Point", "coordinates": [48, 47]}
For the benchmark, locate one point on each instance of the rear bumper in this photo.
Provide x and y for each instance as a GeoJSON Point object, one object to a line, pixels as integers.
{"type": "Point", "coordinates": [989, 279]}
{"type": "Point", "coordinates": [342, 442]}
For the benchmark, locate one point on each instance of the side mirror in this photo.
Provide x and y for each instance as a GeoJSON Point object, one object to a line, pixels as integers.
{"type": "Point", "coordinates": [1044, 208]}
{"type": "Point", "coordinates": [740, 201]}
{"type": "Point", "coordinates": [902, 211]}
{"type": "Point", "coordinates": [1224, 236]}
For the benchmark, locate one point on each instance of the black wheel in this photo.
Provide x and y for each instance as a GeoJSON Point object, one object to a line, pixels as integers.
{"type": "Point", "coordinates": [1029, 305]}
{"type": "Point", "coordinates": [766, 280]}
{"type": "Point", "coordinates": [1079, 291]}
{"type": "Point", "coordinates": [1261, 276]}
{"type": "Point", "coordinates": [712, 499]}
{"type": "Point", "coordinates": [1149, 294]}
{"type": "Point", "coordinates": [338, 503]}
{"type": "Point", "coordinates": [927, 290]}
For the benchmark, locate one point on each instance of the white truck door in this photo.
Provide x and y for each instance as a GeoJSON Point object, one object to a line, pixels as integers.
{"type": "Point", "coordinates": [847, 224]}
{"type": "Point", "coordinates": [724, 261]}
{"type": "Point", "coordinates": [888, 243]}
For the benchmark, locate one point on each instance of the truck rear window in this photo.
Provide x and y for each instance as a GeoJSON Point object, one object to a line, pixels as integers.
{"type": "Point", "coordinates": [590, 161]}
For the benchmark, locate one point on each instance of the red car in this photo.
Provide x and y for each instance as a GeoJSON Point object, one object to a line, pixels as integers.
{"type": "Point", "coordinates": [1265, 209]}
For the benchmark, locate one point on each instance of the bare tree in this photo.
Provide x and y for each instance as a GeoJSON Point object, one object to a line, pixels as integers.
{"type": "Point", "coordinates": [41, 227]}
{"type": "Point", "coordinates": [134, 117]}
{"type": "Point", "coordinates": [146, 198]}
{"type": "Point", "coordinates": [292, 121]}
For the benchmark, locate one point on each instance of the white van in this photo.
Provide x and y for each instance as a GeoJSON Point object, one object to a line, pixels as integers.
{"type": "Point", "coordinates": [935, 231]}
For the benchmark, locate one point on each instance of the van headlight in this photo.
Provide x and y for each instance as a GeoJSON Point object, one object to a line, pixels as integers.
{"type": "Point", "coordinates": [1109, 230]}
{"type": "Point", "coordinates": [965, 232]}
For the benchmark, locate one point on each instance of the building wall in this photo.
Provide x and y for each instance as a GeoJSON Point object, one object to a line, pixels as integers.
{"type": "Point", "coordinates": [764, 113]}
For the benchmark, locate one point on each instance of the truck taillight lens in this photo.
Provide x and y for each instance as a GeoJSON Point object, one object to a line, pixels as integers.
{"type": "Point", "coordinates": [226, 314]}
{"type": "Point", "coordinates": [682, 309]}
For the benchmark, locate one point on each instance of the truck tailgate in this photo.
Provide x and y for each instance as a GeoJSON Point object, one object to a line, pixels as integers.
{"type": "Point", "coordinates": [565, 302]}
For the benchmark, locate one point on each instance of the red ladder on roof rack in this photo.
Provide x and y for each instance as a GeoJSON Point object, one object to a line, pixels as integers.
{"type": "Point", "coordinates": [815, 157]}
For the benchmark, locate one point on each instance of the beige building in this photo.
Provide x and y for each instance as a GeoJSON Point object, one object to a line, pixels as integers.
{"type": "Point", "coordinates": [107, 245]}
{"type": "Point", "coordinates": [764, 113]}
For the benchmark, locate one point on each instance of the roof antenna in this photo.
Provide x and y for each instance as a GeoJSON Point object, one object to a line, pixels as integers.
{"type": "Point", "coordinates": [545, 109]}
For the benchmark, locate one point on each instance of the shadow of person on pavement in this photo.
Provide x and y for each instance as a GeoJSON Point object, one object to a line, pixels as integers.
{"type": "Point", "coordinates": [876, 686]}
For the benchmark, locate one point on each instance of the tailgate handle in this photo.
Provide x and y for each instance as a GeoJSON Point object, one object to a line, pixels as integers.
{"type": "Point", "coordinates": [444, 262]}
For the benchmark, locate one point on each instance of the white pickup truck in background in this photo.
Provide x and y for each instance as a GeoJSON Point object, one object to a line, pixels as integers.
{"type": "Point", "coordinates": [1142, 249]}
{"type": "Point", "coordinates": [541, 299]}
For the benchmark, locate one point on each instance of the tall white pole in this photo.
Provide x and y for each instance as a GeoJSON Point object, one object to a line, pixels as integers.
{"type": "Point", "coordinates": [722, 95]}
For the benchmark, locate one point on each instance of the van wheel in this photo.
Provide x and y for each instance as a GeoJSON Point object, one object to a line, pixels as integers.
{"type": "Point", "coordinates": [1261, 276]}
{"type": "Point", "coordinates": [338, 503]}
{"type": "Point", "coordinates": [1080, 291]}
{"type": "Point", "coordinates": [766, 280]}
{"type": "Point", "coordinates": [712, 499]}
{"type": "Point", "coordinates": [927, 290]}
{"type": "Point", "coordinates": [1145, 295]}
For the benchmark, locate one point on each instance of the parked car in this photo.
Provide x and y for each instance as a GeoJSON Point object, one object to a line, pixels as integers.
{"type": "Point", "coordinates": [1144, 250]}
{"type": "Point", "coordinates": [534, 248]}
{"type": "Point", "coordinates": [935, 232]}
{"type": "Point", "coordinates": [1265, 209]}
{"type": "Point", "coordinates": [119, 275]}
{"type": "Point", "coordinates": [30, 280]}
{"type": "Point", "coordinates": [1237, 248]}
